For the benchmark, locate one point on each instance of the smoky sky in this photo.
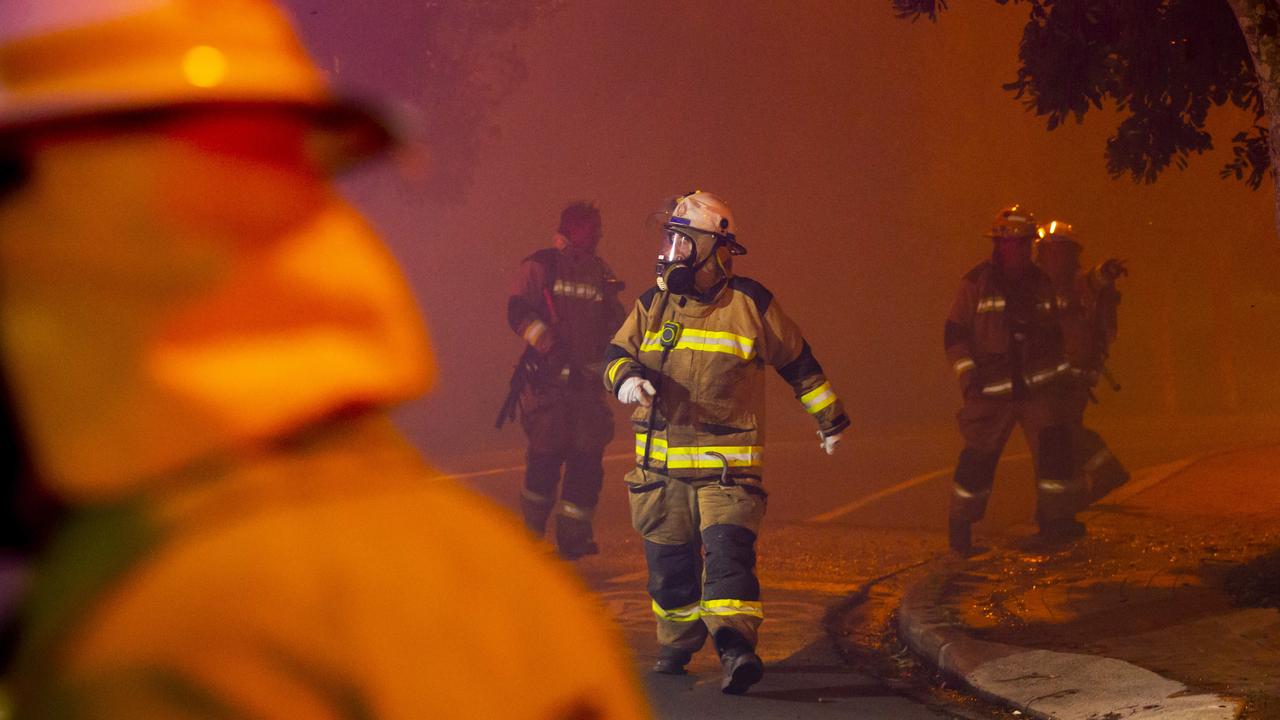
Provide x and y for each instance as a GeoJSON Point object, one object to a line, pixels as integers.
{"type": "Point", "coordinates": [864, 156]}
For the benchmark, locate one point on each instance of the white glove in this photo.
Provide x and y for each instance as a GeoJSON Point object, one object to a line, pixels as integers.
{"type": "Point", "coordinates": [636, 389]}
{"type": "Point", "coordinates": [830, 442]}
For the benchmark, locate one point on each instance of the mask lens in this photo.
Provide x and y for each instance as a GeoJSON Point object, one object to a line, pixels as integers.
{"type": "Point", "coordinates": [676, 246]}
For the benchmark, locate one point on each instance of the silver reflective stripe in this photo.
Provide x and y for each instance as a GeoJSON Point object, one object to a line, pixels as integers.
{"type": "Point", "coordinates": [534, 497]}
{"type": "Point", "coordinates": [577, 512]}
{"type": "Point", "coordinates": [998, 388]}
{"type": "Point", "coordinates": [1049, 374]}
{"type": "Point", "coordinates": [1051, 486]}
{"type": "Point", "coordinates": [962, 493]}
{"type": "Point", "coordinates": [963, 366]}
{"type": "Point", "coordinates": [1097, 460]}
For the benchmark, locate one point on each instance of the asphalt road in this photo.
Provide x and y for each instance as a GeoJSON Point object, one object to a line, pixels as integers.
{"type": "Point", "coordinates": [834, 523]}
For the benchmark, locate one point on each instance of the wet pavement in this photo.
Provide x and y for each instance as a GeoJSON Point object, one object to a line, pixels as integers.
{"type": "Point", "coordinates": [844, 538]}
{"type": "Point", "coordinates": [1178, 576]}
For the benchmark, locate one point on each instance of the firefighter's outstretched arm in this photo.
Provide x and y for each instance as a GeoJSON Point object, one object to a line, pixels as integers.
{"type": "Point", "coordinates": [786, 350]}
{"type": "Point", "coordinates": [958, 335]}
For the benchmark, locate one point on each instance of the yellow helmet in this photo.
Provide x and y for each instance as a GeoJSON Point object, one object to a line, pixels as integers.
{"type": "Point", "coordinates": [1057, 231]}
{"type": "Point", "coordinates": [1014, 221]}
{"type": "Point", "coordinates": [69, 61]}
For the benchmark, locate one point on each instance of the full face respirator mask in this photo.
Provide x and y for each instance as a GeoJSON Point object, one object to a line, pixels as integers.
{"type": "Point", "coordinates": [679, 261]}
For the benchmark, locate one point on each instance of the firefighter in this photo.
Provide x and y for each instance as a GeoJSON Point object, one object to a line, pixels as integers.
{"type": "Point", "coordinates": [1004, 343]}
{"type": "Point", "coordinates": [565, 306]}
{"type": "Point", "coordinates": [1087, 310]}
{"type": "Point", "coordinates": [202, 340]}
{"type": "Point", "coordinates": [691, 355]}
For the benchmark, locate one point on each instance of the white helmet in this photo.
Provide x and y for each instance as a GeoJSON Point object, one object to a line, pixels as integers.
{"type": "Point", "coordinates": [708, 213]}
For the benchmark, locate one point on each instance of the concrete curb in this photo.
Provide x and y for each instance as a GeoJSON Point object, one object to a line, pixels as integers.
{"type": "Point", "coordinates": [1041, 683]}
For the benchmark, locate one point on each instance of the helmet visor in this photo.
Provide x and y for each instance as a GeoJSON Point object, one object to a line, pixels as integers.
{"type": "Point", "coordinates": [675, 246]}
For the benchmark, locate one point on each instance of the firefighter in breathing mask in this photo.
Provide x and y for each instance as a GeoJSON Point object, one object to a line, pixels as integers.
{"type": "Point", "coordinates": [691, 356]}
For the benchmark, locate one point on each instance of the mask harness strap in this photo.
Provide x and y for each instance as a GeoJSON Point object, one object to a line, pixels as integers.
{"type": "Point", "coordinates": [668, 339]}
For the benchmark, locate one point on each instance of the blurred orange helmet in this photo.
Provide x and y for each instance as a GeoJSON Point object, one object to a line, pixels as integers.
{"type": "Point", "coordinates": [1014, 221]}
{"type": "Point", "coordinates": [68, 61]}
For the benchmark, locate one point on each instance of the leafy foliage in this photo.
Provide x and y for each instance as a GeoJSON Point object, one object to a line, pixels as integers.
{"type": "Point", "coordinates": [1162, 63]}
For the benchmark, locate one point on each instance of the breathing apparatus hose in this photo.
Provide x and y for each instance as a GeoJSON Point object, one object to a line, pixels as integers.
{"type": "Point", "coordinates": [667, 339]}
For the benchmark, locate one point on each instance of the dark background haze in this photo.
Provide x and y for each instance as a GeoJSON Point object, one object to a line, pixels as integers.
{"type": "Point", "coordinates": [864, 156]}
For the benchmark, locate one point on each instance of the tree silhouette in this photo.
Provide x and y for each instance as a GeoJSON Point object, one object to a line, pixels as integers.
{"type": "Point", "coordinates": [1162, 63]}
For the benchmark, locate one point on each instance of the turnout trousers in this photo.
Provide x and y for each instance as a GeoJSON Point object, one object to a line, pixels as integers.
{"type": "Point", "coordinates": [568, 428]}
{"type": "Point", "coordinates": [1099, 469]}
{"type": "Point", "coordinates": [699, 543]}
{"type": "Point", "coordinates": [986, 423]}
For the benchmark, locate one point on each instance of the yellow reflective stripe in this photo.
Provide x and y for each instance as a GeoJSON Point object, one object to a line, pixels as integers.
{"type": "Point", "coordinates": [733, 607]}
{"type": "Point", "coordinates": [534, 331]}
{"type": "Point", "coordinates": [818, 399]}
{"type": "Point", "coordinates": [962, 366]}
{"type": "Point", "coordinates": [705, 341]}
{"type": "Point", "coordinates": [612, 371]}
{"type": "Point", "coordinates": [699, 457]}
{"type": "Point", "coordinates": [991, 304]}
{"type": "Point", "coordinates": [657, 448]}
{"type": "Point", "coordinates": [688, 613]}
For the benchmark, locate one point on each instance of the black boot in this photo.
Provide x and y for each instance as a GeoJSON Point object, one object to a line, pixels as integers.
{"type": "Point", "coordinates": [535, 509]}
{"type": "Point", "coordinates": [742, 667]}
{"type": "Point", "coordinates": [671, 661]}
{"type": "Point", "coordinates": [574, 538]}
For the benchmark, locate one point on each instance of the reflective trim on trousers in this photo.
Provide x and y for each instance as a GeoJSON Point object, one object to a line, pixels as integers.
{"type": "Point", "coordinates": [962, 366]}
{"type": "Point", "coordinates": [1097, 460]}
{"type": "Point", "coordinates": [968, 495]}
{"type": "Point", "coordinates": [686, 613]}
{"type": "Point", "coordinates": [733, 607]}
{"type": "Point", "coordinates": [577, 512]}
{"type": "Point", "coordinates": [1054, 487]}
{"type": "Point", "coordinates": [534, 497]}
